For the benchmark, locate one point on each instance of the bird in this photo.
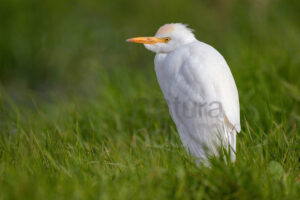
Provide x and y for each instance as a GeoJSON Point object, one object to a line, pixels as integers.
{"type": "Point", "coordinates": [199, 89]}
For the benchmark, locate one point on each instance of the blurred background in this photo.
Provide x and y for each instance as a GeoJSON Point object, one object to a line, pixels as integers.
{"type": "Point", "coordinates": [60, 52]}
{"type": "Point", "coordinates": [64, 46]}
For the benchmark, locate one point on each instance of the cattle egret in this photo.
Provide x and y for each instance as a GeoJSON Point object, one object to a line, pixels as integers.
{"type": "Point", "coordinates": [199, 89]}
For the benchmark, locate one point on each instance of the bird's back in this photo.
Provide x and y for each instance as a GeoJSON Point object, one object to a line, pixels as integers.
{"type": "Point", "coordinates": [202, 96]}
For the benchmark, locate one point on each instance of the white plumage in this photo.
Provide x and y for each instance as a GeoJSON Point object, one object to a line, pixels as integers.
{"type": "Point", "coordinates": [199, 89]}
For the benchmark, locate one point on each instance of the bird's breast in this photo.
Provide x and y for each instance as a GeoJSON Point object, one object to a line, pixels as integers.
{"type": "Point", "coordinates": [166, 68]}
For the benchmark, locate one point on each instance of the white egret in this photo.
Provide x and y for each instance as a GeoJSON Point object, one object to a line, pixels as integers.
{"type": "Point", "coordinates": [199, 89]}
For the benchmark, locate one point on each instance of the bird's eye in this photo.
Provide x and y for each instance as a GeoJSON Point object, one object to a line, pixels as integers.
{"type": "Point", "coordinates": [167, 39]}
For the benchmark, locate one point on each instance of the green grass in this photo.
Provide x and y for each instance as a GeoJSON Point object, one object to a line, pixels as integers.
{"type": "Point", "coordinates": [82, 115]}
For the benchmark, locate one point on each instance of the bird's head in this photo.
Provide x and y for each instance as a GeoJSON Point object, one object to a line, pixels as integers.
{"type": "Point", "coordinates": [168, 38]}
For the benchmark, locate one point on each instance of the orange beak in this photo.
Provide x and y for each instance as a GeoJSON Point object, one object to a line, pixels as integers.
{"type": "Point", "coordinates": [146, 40]}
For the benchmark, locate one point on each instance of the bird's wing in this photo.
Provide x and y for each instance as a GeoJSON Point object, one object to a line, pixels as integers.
{"type": "Point", "coordinates": [209, 84]}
